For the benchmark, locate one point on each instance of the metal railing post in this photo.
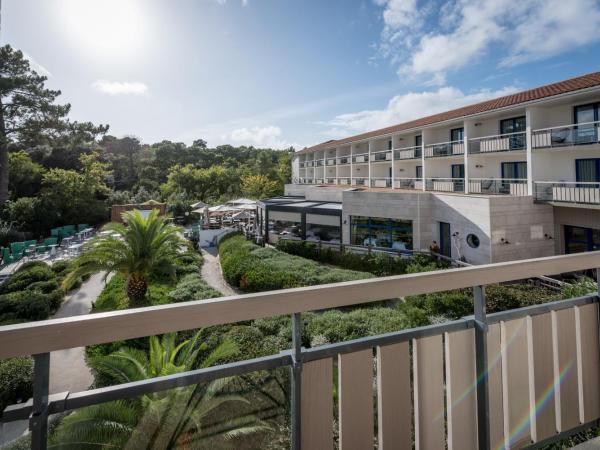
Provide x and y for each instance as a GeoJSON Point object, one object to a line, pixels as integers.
{"type": "Point", "coordinates": [483, 410]}
{"type": "Point", "coordinates": [38, 421]}
{"type": "Point", "coordinates": [296, 370]}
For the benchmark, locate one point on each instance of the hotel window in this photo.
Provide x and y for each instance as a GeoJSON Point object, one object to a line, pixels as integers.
{"type": "Point", "coordinates": [381, 232]}
{"type": "Point", "coordinates": [419, 172]}
{"type": "Point", "coordinates": [587, 132]}
{"type": "Point", "coordinates": [390, 144]}
{"type": "Point", "coordinates": [514, 125]}
{"type": "Point", "coordinates": [587, 170]}
{"type": "Point", "coordinates": [514, 170]}
{"type": "Point", "coordinates": [457, 134]}
{"type": "Point", "coordinates": [418, 141]}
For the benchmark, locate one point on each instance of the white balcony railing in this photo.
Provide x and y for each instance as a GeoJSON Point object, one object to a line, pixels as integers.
{"type": "Point", "coordinates": [408, 152]}
{"type": "Point", "coordinates": [385, 155]}
{"type": "Point", "coordinates": [567, 192]}
{"type": "Point", "coordinates": [498, 186]}
{"type": "Point", "coordinates": [342, 160]}
{"type": "Point", "coordinates": [343, 180]}
{"type": "Point", "coordinates": [566, 135]}
{"type": "Point", "coordinates": [330, 180]}
{"type": "Point", "coordinates": [381, 182]}
{"type": "Point", "coordinates": [362, 158]}
{"type": "Point", "coordinates": [408, 183]}
{"type": "Point", "coordinates": [499, 143]}
{"type": "Point", "coordinates": [445, 149]}
{"type": "Point", "coordinates": [445, 184]}
{"type": "Point", "coordinates": [359, 181]}
{"type": "Point", "coordinates": [330, 161]}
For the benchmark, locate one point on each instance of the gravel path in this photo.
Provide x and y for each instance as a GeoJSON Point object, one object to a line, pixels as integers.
{"type": "Point", "coordinates": [211, 272]}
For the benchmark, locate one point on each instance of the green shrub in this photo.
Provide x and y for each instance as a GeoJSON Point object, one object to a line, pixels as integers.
{"type": "Point", "coordinates": [255, 269]}
{"type": "Point", "coordinates": [24, 306]}
{"type": "Point", "coordinates": [579, 288]}
{"type": "Point", "coordinates": [504, 297]}
{"type": "Point", "coordinates": [377, 263]}
{"type": "Point", "coordinates": [24, 278]}
{"type": "Point", "coordinates": [16, 380]}
{"type": "Point", "coordinates": [192, 287]}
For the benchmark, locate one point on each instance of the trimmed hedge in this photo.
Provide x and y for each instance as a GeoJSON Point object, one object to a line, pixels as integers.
{"type": "Point", "coordinates": [16, 381]}
{"type": "Point", "coordinates": [32, 293]}
{"type": "Point", "coordinates": [377, 263]}
{"type": "Point", "coordinates": [192, 287]}
{"type": "Point", "coordinates": [255, 269]}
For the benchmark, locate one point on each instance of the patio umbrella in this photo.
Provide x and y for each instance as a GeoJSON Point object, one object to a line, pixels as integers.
{"type": "Point", "coordinates": [242, 201]}
{"type": "Point", "coordinates": [198, 205]}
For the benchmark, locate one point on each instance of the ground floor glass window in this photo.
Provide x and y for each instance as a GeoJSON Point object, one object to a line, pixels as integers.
{"type": "Point", "coordinates": [326, 233]}
{"type": "Point", "coordinates": [285, 228]}
{"type": "Point", "coordinates": [381, 232]}
{"type": "Point", "coordinates": [580, 239]}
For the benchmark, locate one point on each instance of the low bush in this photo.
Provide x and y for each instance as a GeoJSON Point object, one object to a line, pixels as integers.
{"type": "Point", "coordinates": [254, 269]}
{"type": "Point", "coordinates": [16, 380]}
{"type": "Point", "coordinates": [377, 263]}
{"type": "Point", "coordinates": [192, 287]}
{"type": "Point", "coordinates": [579, 288]}
{"type": "Point", "coordinates": [32, 293]}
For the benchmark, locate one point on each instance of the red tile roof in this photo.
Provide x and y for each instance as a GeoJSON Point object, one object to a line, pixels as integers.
{"type": "Point", "coordinates": [549, 90]}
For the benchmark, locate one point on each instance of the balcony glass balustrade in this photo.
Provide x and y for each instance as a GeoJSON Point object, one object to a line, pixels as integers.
{"type": "Point", "coordinates": [445, 149]}
{"type": "Point", "coordinates": [568, 135]}
{"type": "Point", "coordinates": [499, 143]}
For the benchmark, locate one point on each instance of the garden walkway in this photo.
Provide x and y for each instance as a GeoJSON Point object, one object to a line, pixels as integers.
{"type": "Point", "coordinates": [68, 370]}
{"type": "Point", "coordinates": [212, 274]}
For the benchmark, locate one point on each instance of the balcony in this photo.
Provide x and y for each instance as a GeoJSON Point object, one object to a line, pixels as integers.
{"type": "Point", "coordinates": [567, 192]}
{"type": "Point", "coordinates": [302, 164]}
{"type": "Point", "coordinates": [342, 160]}
{"type": "Point", "coordinates": [330, 161]}
{"type": "Point", "coordinates": [453, 148]}
{"type": "Point", "coordinates": [565, 136]}
{"type": "Point", "coordinates": [498, 186]}
{"type": "Point", "coordinates": [359, 181]}
{"type": "Point", "coordinates": [382, 156]}
{"type": "Point", "coordinates": [310, 163]}
{"type": "Point", "coordinates": [330, 181]}
{"type": "Point", "coordinates": [485, 381]}
{"type": "Point", "coordinates": [408, 153]}
{"type": "Point", "coordinates": [408, 183]}
{"type": "Point", "coordinates": [344, 180]}
{"type": "Point", "coordinates": [499, 143]}
{"type": "Point", "coordinates": [381, 182]}
{"type": "Point", "coordinates": [319, 162]}
{"type": "Point", "coordinates": [362, 158]}
{"type": "Point", "coordinates": [445, 184]}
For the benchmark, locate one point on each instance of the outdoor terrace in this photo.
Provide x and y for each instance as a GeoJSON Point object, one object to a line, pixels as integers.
{"type": "Point", "coordinates": [518, 378]}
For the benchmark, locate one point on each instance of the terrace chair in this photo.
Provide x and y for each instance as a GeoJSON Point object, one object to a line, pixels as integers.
{"type": "Point", "coordinates": [69, 229]}
{"type": "Point", "coordinates": [17, 249]}
{"type": "Point", "coordinates": [82, 226]}
{"type": "Point", "coordinates": [7, 258]}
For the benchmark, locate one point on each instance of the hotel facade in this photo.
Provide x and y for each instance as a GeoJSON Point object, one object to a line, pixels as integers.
{"type": "Point", "coordinates": [510, 178]}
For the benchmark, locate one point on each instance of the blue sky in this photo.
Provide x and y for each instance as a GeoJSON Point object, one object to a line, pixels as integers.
{"type": "Point", "coordinates": [293, 72]}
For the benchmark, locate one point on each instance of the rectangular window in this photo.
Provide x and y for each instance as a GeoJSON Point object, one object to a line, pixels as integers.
{"type": "Point", "coordinates": [445, 237]}
{"type": "Point", "coordinates": [514, 170]}
{"type": "Point", "coordinates": [458, 170]}
{"type": "Point", "coordinates": [457, 134]}
{"type": "Point", "coordinates": [587, 170]}
{"type": "Point", "coordinates": [390, 144]}
{"type": "Point", "coordinates": [586, 133]}
{"type": "Point", "coordinates": [515, 125]}
{"type": "Point", "coordinates": [419, 172]}
{"type": "Point", "coordinates": [381, 232]}
{"type": "Point", "coordinates": [580, 239]}
{"type": "Point", "coordinates": [418, 141]}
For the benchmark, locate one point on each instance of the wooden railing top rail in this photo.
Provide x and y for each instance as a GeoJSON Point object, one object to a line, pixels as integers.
{"type": "Point", "coordinates": [58, 334]}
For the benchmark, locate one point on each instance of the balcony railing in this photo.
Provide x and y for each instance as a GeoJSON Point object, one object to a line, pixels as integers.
{"type": "Point", "coordinates": [381, 182]}
{"type": "Point", "coordinates": [319, 162]}
{"type": "Point", "coordinates": [567, 192]}
{"type": "Point", "coordinates": [385, 155]}
{"type": "Point", "coordinates": [408, 183]}
{"type": "Point", "coordinates": [485, 381]}
{"type": "Point", "coordinates": [361, 158]}
{"type": "Point", "coordinates": [302, 164]}
{"type": "Point", "coordinates": [359, 181]}
{"type": "Point", "coordinates": [310, 163]}
{"type": "Point", "coordinates": [344, 180]}
{"type": "Point", "coordinates": [445, 149]}
{"type": "Point", "coordinates": [500, 143]}
{"type": "Point", "coordinates": [498, 186]}
{"type": "Point", "coordinates": [330, 180]}
{"type": "Point", "coordinates": [408, 152]}
{"type": "Point", "coordinates": [445, 184]}
{"type": "Point", "coordinates": [330, 161]}
{"type": "Point", "coordinates": [577, 134]}
{"type": "Point", "coordinates": [341, 160]}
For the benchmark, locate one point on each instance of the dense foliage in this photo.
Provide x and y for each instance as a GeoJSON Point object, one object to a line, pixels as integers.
{"type": "Point", "coordinates": [32, 293]}
{"type": "Point", "coordinates": [380, 264]}
{"type": "Point", "coordinates": [253, 268]}
{"type": "Point", "coordinates": [16, 379]}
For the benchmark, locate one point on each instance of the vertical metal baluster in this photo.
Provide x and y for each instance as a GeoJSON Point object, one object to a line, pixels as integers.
{"type": "Point", "coordinates": [296, 380]}
{"type": "Point", "coordinates": [483, 412]}
{"type": "Point", "coordinates": [38, 421]}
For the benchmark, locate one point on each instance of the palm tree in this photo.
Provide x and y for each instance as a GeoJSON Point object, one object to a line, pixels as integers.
{"type": "Point", "coordinates": [140, 247]}
{"type": "Point", "coordinates": [188, 417]}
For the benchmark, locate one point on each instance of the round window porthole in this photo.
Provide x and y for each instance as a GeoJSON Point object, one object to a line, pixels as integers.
{"type": "Point", "coordinates": [473, 240]}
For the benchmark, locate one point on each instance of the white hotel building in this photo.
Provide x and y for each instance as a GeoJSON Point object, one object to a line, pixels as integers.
{"type": "Point", "coordinates": [510, 178]}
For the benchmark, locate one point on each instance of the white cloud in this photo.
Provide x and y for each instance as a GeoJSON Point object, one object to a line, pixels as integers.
{"type": "Point", "coordinates": [120, 87]}
{"type": "Point", "coordinates": [267, 136]}
{"type": "Point", "coordinates": [427, 41]}
{"type": "Point", "coordinates": [403, 108]}
{"type": "Point", "coordinates": [41, 70]}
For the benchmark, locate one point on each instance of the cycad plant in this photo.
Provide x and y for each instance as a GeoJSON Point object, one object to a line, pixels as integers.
{"type": "Point", "coordinates": [182, 418]}
{"type": "Point", "coordinates": [138, 248]}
